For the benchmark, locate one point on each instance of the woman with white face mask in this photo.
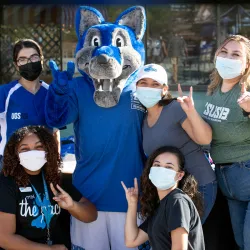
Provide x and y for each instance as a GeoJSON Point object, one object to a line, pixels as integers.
{"type": "Point", "coordinates": [171, 217]}
{"type": "Point", "coordinates": [31, 199]}
{"type": "Point", "coordinates": [176, 123]}
{"type": "Point", "coordinates": [227, 110]}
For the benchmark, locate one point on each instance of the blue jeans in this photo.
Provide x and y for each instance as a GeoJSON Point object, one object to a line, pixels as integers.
{"type": "Point", "coordinates": [234, 182]}
{"type": "Point", "coordinates": [208, 192]}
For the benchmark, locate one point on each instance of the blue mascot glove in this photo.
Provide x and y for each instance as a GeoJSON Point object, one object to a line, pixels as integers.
{"type": "Point", "coordinates": [61, 78]}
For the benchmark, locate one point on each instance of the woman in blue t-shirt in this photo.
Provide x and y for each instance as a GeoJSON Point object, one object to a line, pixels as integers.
{"type": "Point", "coordinates": [22, 101]}
{"type": "Point", "coordinates": [176, 123]}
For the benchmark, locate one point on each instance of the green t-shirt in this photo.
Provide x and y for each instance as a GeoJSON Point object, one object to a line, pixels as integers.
{"type": "Point", "coordinates": [231, 130]}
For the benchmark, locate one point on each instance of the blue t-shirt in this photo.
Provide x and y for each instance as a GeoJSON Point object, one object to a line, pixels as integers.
{"type": "Point", "coordinates": [19, 108]}
{"type": "Point", "coordinates": [108, 141]}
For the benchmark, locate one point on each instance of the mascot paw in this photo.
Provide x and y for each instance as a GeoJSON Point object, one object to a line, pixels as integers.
{"type": "Point", "coordinates": [61, 78]}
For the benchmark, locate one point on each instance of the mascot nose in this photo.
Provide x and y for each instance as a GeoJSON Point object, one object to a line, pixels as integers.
{"type": "Point", "coordinates": [102, 59]}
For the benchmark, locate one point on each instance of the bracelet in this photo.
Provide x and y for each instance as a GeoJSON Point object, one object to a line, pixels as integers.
{"type": "Point", "coordinates": [245, 113]}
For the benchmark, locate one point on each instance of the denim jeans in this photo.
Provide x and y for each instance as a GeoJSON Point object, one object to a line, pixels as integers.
{"type": "Point", "coordinates": [208, 192]}
{"type": "Point", "coordinates": [234, 182]}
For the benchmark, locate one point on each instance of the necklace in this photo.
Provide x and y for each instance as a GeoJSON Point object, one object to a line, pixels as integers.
{"type": "Point", "coordinates": [45, 207]}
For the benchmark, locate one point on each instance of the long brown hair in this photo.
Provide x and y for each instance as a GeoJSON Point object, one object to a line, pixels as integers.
{"type": "Point", "coordinates": [216, 78]}
{"type": "Point", "coordinates": [149, 197]}
{"type": "Point", "coordinates": [11, 163]}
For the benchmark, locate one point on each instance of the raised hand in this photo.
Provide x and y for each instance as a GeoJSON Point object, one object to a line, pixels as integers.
{"type": "Point", "coordinates": [63, 199]}
{"type": "Point", "coordinates": [131, 193]}
{"type": "Point", "coordinates": [62, 77]}
{"type": "Point", "coordinates": [244, 100]}
{"type": "Point", "coordinates": [186, 102]}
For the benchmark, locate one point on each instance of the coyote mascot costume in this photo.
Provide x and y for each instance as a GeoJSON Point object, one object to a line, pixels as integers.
{"type": "Point", "coordinates": [107, 119]}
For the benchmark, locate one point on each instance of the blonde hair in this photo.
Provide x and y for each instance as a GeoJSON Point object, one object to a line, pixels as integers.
{"type": "Point", "coordinates": [216, 78]}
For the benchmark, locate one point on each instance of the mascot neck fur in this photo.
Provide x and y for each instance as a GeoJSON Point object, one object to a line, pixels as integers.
{"type": "Point", "coordinates": [110, 53]}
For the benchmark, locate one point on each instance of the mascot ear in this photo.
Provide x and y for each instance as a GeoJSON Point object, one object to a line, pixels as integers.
{"type": "Point", "coordinates": [86, 17]}
{"type": "Point", "coordinates": [135, 18]}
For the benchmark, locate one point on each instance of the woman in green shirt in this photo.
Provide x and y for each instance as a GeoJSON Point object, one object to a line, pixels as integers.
{"type": "Point", "coordinates": [227, 110]}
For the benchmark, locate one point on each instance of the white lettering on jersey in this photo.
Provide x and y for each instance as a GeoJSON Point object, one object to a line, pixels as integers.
{"type": "Point", "coordinates": [15, 116]}
{"type": "Point", "coordinates": [215, 113]}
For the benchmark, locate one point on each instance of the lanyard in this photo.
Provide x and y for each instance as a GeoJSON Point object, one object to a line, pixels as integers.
{"type": "Point", "coordinates": [46, 207]}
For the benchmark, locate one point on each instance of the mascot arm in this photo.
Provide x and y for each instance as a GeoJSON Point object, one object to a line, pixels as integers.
{"type": "Point", "coordinates": [61, 103]}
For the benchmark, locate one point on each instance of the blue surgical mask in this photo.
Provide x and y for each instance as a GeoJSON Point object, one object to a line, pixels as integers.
{"type": "Point", "coordinates": [228, 68]}
{"type": "Point", "coordinates": [148, 96]}
{"type": "Point", "coordinates": [162, 178]}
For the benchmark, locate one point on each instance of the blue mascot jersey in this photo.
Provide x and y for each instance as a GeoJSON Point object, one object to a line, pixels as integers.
{"type": "Point", "coordinates": [108, 141]}
{"type": "Point", "coordinates": [19, 108]}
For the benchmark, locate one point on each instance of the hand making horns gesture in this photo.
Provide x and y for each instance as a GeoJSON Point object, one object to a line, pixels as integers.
{"type": "Point", "coordinates": [244, 100]}
{"type": "Point", "coordinates": [186, 102]}
{"type": "Point", "coordinates": [131, 193]}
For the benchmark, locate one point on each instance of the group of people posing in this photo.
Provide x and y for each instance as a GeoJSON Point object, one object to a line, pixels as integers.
{"type": "Point", "coordinates": [177, 188]}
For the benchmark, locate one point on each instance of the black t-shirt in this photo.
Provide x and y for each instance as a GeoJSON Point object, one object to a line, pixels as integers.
{"type": "Point", "coordinates": [30, 222]}
{"type": "Point", "coordinates": [175, 210]}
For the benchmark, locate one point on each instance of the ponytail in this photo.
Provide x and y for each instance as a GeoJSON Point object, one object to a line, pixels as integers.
{"type": "Point", "coordinates": [167, 99]}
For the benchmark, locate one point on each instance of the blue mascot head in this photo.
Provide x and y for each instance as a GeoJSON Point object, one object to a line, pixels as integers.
{"type": "Point", "coordinates": [110, 53]}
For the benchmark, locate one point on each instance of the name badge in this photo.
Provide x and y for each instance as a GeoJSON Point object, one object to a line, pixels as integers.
{"type": "Point", "coordinates": [25, 189]}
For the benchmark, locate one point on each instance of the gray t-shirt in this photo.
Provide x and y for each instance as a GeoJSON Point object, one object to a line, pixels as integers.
{"type": "Point", "coordinates": [167, 131]}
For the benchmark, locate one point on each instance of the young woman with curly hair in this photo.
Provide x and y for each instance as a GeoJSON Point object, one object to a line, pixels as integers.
{"type": "Point", "coordinates": [31, 199]}
{"type": "Point", "coordinates": [170, 205]}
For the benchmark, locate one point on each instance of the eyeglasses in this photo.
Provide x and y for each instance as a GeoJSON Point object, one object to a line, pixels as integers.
{"type": "Point", "coordinates": [23, 60]}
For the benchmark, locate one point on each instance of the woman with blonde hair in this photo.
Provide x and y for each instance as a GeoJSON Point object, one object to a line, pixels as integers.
{"type": "Point", "coordinates": [227, 110]}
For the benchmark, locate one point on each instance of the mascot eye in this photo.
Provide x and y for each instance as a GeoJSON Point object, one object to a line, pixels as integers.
{"type": "Point", "coordinates": [119, 41]}
{"type": "Point", "coordinates": [96, 42]}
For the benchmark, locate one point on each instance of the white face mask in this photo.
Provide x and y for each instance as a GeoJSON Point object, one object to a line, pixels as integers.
{"type": "Point", "coordinates": [228, 68]}
{"type": "Point", "coordinates": [148, 96]}
{"type": "Point", "coordinates": [162, 178]}
{"type": "Point", "coordinates": [32, 160]}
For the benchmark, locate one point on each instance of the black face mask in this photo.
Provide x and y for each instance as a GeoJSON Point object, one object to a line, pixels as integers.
{"type": "Point", "coordinates": [31, 71]}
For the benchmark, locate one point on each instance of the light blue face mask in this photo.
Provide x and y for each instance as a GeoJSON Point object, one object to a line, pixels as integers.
{"type": "Point", "coordinates": [228, 68]}
{"type": "Point", "coordinates": [148, 96]}
{"type": "Point", "coordinates": [162, 178]}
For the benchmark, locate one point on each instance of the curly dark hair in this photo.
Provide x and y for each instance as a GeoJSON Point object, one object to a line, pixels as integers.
{"type": "Point", "coordinates": [11, 163]}
{"type": "Point", "coordinates": [149, 198]}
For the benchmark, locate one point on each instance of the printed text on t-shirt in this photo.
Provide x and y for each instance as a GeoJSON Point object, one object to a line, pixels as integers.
{"type": "Point", "coordinates": [215, 113]}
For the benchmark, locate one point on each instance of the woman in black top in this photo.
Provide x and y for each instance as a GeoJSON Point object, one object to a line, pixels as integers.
{"type": "Point", "coordinates": [172, 220]}
{"type": "Point", "coordinates": [31, 199]}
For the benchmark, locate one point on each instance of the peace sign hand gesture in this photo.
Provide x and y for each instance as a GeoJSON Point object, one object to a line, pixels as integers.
{"type": "Point", "coordinates": [63, 199]}
{"type": "Point", "coordinates": [186, 102]}
{"type": "Point", "coordinates": [244, 100]}
{"type": "Point", "coordinates": [131, 193]}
